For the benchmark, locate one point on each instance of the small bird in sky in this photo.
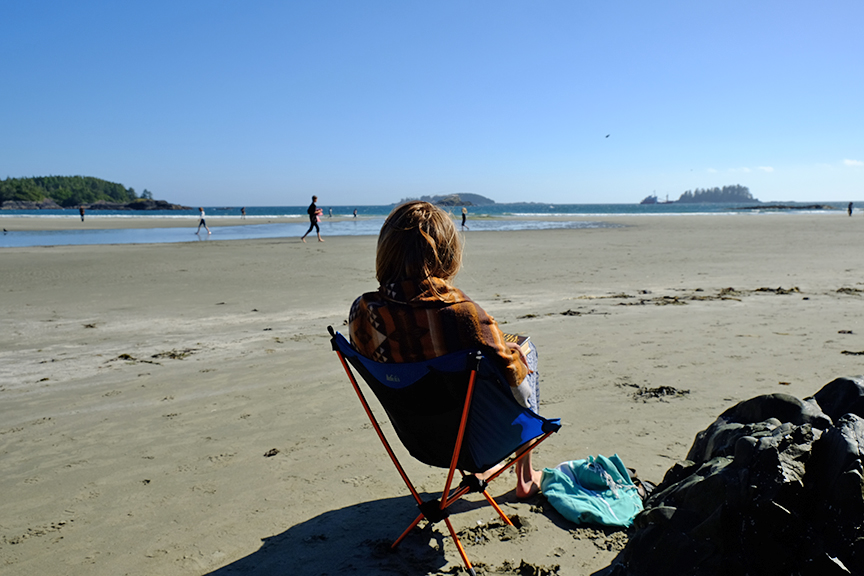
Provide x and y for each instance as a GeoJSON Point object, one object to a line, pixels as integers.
{"type": "Point", "coordinates": [607, 135]}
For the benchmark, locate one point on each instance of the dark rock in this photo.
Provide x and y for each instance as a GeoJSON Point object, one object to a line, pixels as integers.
{"type": "Point", "coordinates": [105, 205]}
{"type": "Point", "coordinates": [144, 204]}
{"type": "Point", "coordinates": [140, 204]}
{"type": "Point", "coordinates": [841, 396]}
{"type": "Point", "coordinates": [755, 418]}
{"type": "Point", "coordinates": [49, 204]}
{"type": "Point", "coordinates": [775, 486]}
{"type": "Point", "coordinates": [46, 204]}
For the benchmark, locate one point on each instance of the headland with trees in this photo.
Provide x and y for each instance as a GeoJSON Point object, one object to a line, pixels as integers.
{"type": "Point", "coordinates": [56, 192]}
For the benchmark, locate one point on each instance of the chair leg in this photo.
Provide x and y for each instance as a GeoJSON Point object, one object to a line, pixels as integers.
{"type": "Point", "coordinates": [497, 508]}
{"type": "Point", "coordinates": [407, 530]}
{"type": "Point", "coordinates": [459, 547]}
{"type": "Point", "coordinates": [453, 535]}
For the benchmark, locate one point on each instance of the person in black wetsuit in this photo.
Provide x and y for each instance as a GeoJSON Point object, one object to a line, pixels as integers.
{"type": "Point", "coordinates": [314, 215]}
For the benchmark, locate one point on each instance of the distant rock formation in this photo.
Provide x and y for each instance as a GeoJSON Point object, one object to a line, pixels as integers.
{"type": "Point", "coordinates": [775, 486]}
{"type": "Point", "coordinates": [140, 204]}
{"type": "Point", "coordinates": [464, 199]}
{"type": "Point", "coordinates": [46, 204]}
{"type": "Point", "coordinates": [49, 204]}
{"type": "Point", "coordinates": [452, 200]}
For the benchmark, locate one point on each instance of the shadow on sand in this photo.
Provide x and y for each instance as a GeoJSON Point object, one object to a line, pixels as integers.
{"type": "Point", "coordinates": [356, 540]}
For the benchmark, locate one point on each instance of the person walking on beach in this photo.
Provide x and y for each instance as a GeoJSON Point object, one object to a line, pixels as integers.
{"type": "Point", "coordinates": [849, 209]}
{"type": "Point", "coordinates": [355, 212]}
{"type": "Point", "coordinates": [81, 211]}
{"type": "Point", "coordinates": [314, 216]}
{"type": "Point", "coordinates": [464, 218]}
{"type": "Point", "coordinates": [243, 213]}
{"type": "Point", "coordinates": [201, 222]}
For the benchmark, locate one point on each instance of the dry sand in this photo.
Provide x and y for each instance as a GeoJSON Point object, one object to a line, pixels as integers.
{"type": "Point", "coordinates": [141, 387]}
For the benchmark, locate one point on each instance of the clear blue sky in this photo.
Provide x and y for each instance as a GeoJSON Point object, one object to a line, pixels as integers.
{"type": "Point", "coordinates": [367, 101]}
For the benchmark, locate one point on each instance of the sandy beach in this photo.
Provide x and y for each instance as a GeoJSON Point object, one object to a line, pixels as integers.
{"type": "Point", "coordinates": [142, 387]}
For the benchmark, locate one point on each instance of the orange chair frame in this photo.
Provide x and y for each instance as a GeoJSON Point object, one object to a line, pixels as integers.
{"type": "Point", "coordinates": [438, 512]}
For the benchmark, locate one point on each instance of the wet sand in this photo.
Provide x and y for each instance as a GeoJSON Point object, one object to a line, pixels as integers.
{"type": "Point", "coordinates": [142, 387]}
{"type": "Point", "coordinates": [99, 222]}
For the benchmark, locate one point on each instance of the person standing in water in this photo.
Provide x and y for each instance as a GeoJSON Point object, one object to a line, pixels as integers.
{"type": "Point", "coordinates": [243, 213]}
{"type": "Point", "coordinates": [202, 222]}
{"type": "Point", "coordinates": [464, 218]}
{"type": "Point", "coordinates": [314, 215]}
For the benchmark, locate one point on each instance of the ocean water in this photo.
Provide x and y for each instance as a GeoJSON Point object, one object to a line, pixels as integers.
{"type": "Point", "coordinates": [495, 217]}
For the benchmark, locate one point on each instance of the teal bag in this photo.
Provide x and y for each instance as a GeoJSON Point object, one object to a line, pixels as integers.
{"type": "Point", "coordinates": [592, 491]}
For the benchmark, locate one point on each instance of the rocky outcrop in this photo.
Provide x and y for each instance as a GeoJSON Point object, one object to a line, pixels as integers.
{"type": "Point", "coordinates": [452, 200]}
{"type": "Point", "coordinates": [775, 486]}
{"type": "Point", "coordinates": [144, 204]}
{"type": "Point", "coordinates": [46, 204]}
{"type": "Point", "coordinates": [49, 204]}
{"type": "Point", "coordinates": [141, 204]}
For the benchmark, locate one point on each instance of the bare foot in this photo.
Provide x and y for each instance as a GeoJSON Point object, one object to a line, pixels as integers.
{"type": "Point", "coordinates": [525, 490]}
{"type": "Point", "coordinates": [303, 240]}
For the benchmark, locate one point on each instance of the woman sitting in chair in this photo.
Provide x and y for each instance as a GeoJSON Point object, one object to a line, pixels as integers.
{"type": "Point", "coordinates": [417, 314]}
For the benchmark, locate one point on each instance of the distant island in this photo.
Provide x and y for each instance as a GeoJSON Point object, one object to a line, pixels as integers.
{"type": "Point", "coordinates": [56, 192]}
{"type": "Point", "coordinates": [726, 194]}
{"type": "Point", "coordinates": [453, 200]}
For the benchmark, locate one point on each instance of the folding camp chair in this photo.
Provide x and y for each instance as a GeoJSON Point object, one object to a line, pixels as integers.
{"type": "Point", "coordinates": [455, 412]}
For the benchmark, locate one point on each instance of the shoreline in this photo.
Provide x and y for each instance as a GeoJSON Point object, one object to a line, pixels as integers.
{"type": "Point", "coordinates": [31, 223]}
{"type": "Point", "coordinates": [91, 222]}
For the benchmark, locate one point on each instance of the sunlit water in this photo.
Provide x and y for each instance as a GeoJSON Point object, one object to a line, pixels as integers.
{"type": "Point", "coordinates": [497, 217]}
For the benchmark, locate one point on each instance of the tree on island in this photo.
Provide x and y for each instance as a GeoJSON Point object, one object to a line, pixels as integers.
{"type": "Point", "coordinates": [67, 191]}
{"type": "Point", "coordinates": [736, 193]}
{"type": "Point", "coordinates": [53, 192]}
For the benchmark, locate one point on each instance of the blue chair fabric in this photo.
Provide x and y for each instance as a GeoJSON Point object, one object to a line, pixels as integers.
{"type": "Point", "coordinates": [424, 402]}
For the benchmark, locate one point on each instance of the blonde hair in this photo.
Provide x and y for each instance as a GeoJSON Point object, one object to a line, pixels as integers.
{"type": "Point", "coordinates": [418, 241]}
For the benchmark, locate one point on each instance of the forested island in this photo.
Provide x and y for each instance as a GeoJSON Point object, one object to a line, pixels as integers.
{"type": "Point", "coordinates": [54, 192]}
{"type": "Point", "coordinates": [734, 193]}
{"type": "Point", "coordinates": [465, 199]}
